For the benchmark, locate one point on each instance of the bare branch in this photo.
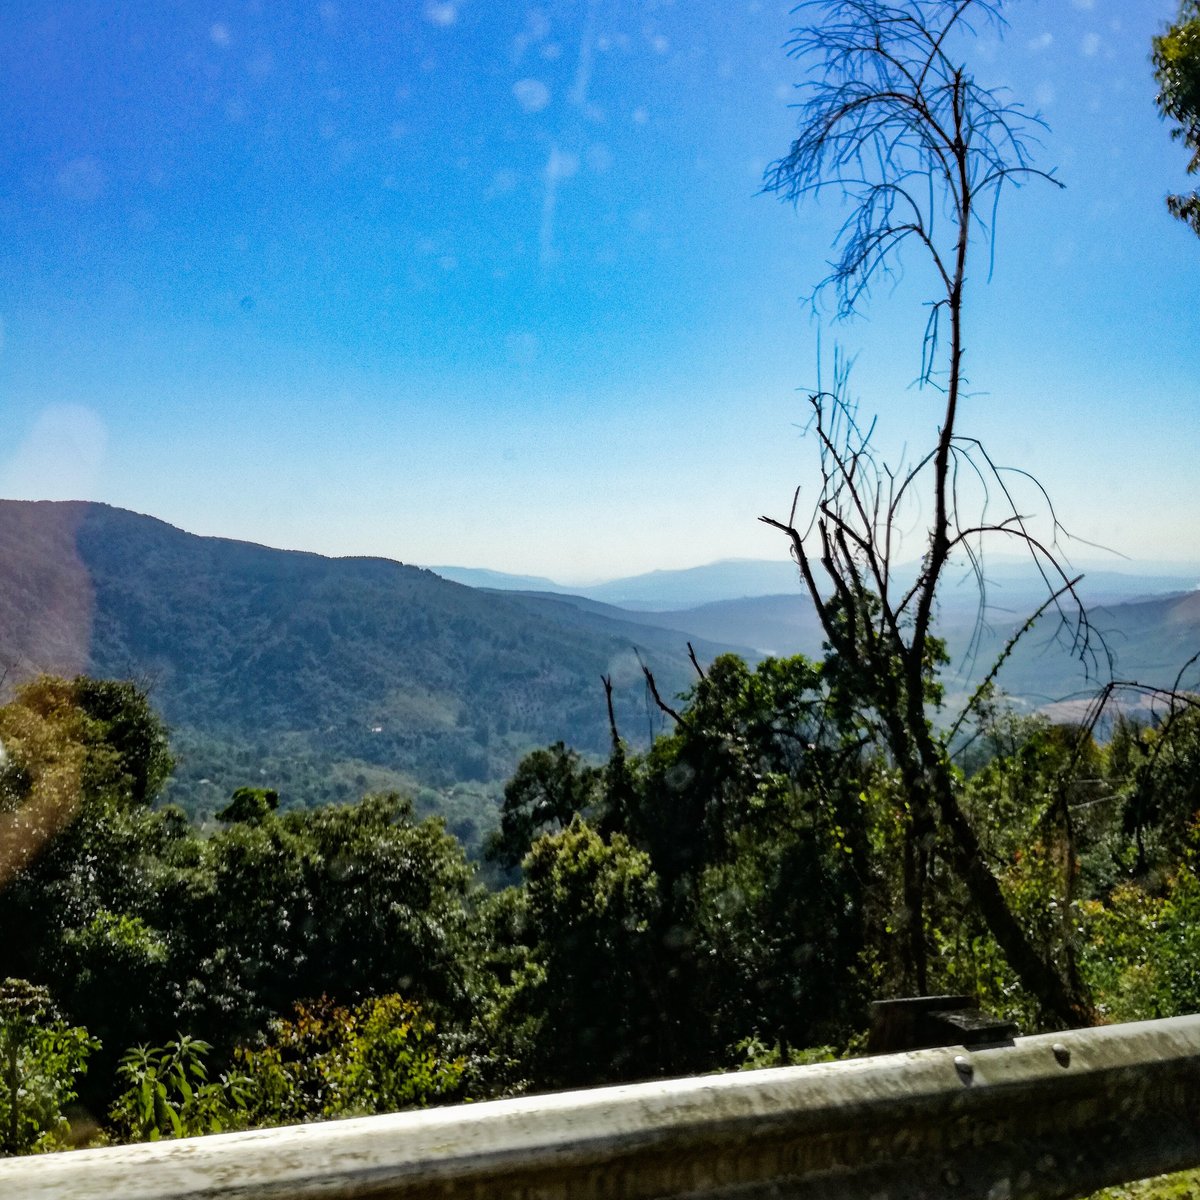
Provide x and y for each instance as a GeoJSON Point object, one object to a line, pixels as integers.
{"type": "Point", "coordinates": [612, 717]}
{"type": "Point", "coordinates": [1003, 657]}
{"type": "Point", "coordinates": [663, 706]}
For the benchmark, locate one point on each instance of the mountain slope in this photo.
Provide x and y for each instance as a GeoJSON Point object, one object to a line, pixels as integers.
{"type": "Point", "coordinates": [316, 675]}
{"type": "Point", "coordinates": [1150, 641]}
{"type": "Point", "coordinates": [764, 625]}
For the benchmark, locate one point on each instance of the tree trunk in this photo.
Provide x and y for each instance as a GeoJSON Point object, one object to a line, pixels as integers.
{"type": "Point", "coordinates": [1058, 998]}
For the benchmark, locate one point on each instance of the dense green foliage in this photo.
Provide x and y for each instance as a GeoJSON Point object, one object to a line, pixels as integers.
{"type": "Point", "coordinates": [40, 1057]}
{"type": "Point", "coordinates": [325, 1061]}
{"type": "Point", "coordinates": [1176, 56]}
{"type": "Point", "coordinates": [141, 926]}
{"type": "Point", "coordinates": [732, 895]}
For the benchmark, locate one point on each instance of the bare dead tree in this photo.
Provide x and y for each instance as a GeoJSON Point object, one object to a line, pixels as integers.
{"type": "Point", "coordinates": [897, 127]}
{"type": "Point", "coordinates": [614, 734]}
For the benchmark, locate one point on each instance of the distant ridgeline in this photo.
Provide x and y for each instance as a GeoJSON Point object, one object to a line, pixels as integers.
{"type": "Point", "coordinates": [322, 677]}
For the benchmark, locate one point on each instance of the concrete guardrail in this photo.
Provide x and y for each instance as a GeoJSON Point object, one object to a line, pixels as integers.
{"type": "Point", "coordinates": [1049, 1116]}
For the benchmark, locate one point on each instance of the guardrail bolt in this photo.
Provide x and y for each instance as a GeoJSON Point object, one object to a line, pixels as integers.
{"type": "Point", "coordinates": [1061, 1054]}
{"type": "Point", "coordinates": [964, 1067]}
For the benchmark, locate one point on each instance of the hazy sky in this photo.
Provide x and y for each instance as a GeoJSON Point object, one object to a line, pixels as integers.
{"type": "Point", "coordinates": [470, 282]}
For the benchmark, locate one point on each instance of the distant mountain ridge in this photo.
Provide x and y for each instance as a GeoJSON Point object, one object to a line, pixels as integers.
{"type": "Point", "coordinates": [685, 587]}
{"type": "Point", "coordinates": [765, 625]}
{"type": "Point", "coordinates": [481, 577]}
{"type": "Point", "coordinates": [1150, 624]}
{"type": "Point", "coordinates": [1014, 586]}
{"type": "Point", "coordinates": [1150, 640]}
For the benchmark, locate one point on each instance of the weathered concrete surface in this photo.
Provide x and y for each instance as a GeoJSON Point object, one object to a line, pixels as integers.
{"type": "Point", "coordinates": [1047, 1116]}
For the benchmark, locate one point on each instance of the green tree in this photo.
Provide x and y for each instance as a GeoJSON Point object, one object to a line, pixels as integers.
{"type": "Point", "coordinates": [84, 857]}
{"type": "Point", "coordinates": [548, 788]}
{"type": "Point", "coordinates": [741, 740]}
{"type": "Point", "coordinates": [85, 748]}
{"type": "Point", "coordinates": [328, 1060]}
{"type": "Point", "coordinates": [744, 829]}
{"type": "Point", "coordinates": [779, 935]}
{"type": "Point", "coordinates": [393, 899]}
{"type": "Point", "coordinates": [250, 806]}
{"type": "Point", "coordinates": [348, 900]}
{"type": "Point", "coordinates": [113, 974]}
{"type": "Point", "coordinates": [1176, 58]}
{"type": "Point", "coordinates": [750, 813]}
{"type": "Point", "coordinates": [583, 1010]}
{"type": "Point", "coordinates": [130, 756]}
{"type": "Point", "coordinates": [45, 756]}
{"type": "Point", "coordinates": [1160, 787]}
{"type": "Point", "coordinates": [40, 1057]}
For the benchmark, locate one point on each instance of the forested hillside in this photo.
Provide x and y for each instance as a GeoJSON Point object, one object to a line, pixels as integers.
{"type": "Point", "coordinates": [323, 676]}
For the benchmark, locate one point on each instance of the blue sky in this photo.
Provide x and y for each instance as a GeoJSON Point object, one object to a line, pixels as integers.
{"type": "Point", "coordinates": [487, 284]}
